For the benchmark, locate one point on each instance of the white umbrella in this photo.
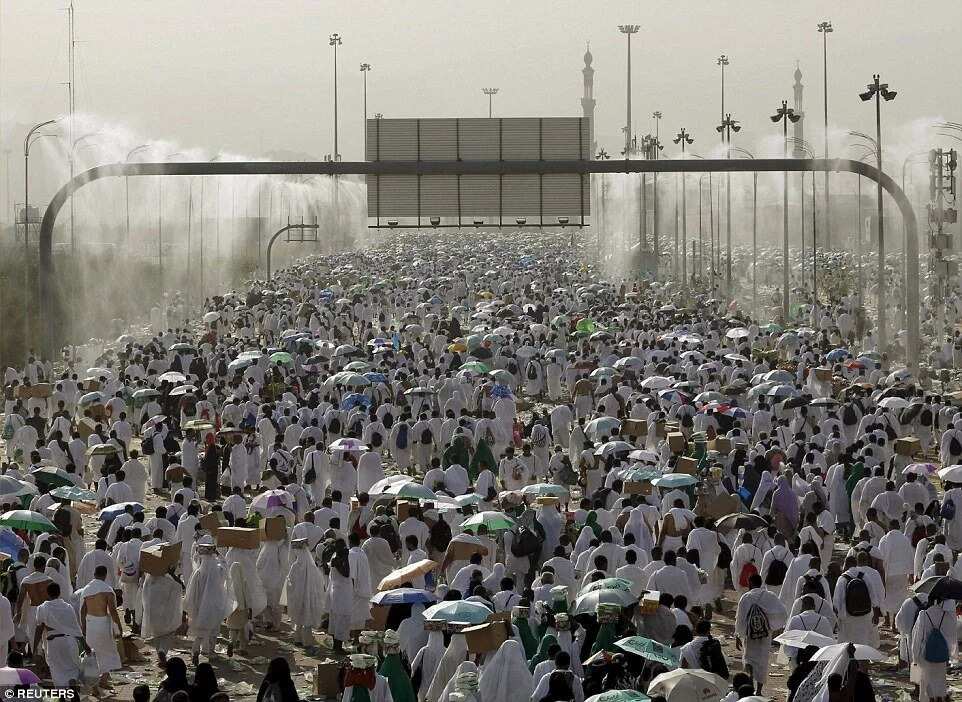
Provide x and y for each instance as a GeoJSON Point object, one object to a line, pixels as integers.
{"type": "Point", "coordinates": [737, 333]}
{"type": "Point", "coordinates": [862, 653]}
{"type": "Point", "coordinates": [657, 382]}
{"type": "Point", "coordinates": [951, 474]}
{"type": "Point", "coordinates": [895, 403]}
{"type": "Point", "coordinates": [689, 685]}
{"type": "Point", "coordinates": [801, 638]}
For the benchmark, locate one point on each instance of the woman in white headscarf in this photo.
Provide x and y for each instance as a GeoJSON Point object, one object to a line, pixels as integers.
{"type": "Point", "coordinates": [412, 634]}
{"type": "Point", "coordinates": [305, 604]}
{"type": "Point", "coordinates": [506, 677]}
{"type": "Point", "coordinates": [425, 662]}
{"type": "Point", "coordinates": [765, 487]}
{"type": "Point", "coordinates": [465, 678]}
{"type": "Point", "coordinates": [239, 618]}
{"type": "Point", "coordinates": [455, 655]}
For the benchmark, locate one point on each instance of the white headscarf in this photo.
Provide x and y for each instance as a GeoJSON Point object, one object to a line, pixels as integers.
{"type": "Point", "coordinates": [506, 677]}
{"type": "Point", "coordinates": [455, 655]}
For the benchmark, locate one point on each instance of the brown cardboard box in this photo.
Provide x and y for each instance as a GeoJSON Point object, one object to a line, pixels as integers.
{"type": "Point", "coordinates": [378, 620]}
{"type": "Point", "coordinates": [908, 446]}
{"type": "Point", "coordinates": [823, 374]}
{"type": "Point", "coordinates": [98, 412]}
{"type": "Point", "coordinates": [129, 650]}
{"type": "Point", "coordinates": [718, 506]}
{"type": "Point", "coordinates": [238, 537]}
{"type": "Point", "coordinates": [158, 559]}
{"type": "Point", "coordinates": [547, 501]}
{"type": "Point", "coordinates": [676, 441]}
{"type": "Point", "coordinates": [634, 427]}
{"type": "Point", "coordinates": [722, 444]}
{"type": "Point", "coordinates": [175, 473]}
{"type": "Point", "coordinates": [273, 529]}
{"type": "Point", "coordinates": [39, 390]}
{"type": "Point", "coordinates": [487, 637]}
{"type": "Point", "coordinates": [327, 680]}
{"type": "Point", "coordinates": [649, 602]}
{"type": "Point", "coordinates": [403, 509]}
{"type": "Point", "coordinates": [460, 551]}
{"type": "Point", "coordinates": [686, 465]}
{"type": "Point", "coordinates": [86, 427]}
{"type": "Point", "coordinates": [638, 488]}
{"type": "Point", "coordinates": [212, 521]}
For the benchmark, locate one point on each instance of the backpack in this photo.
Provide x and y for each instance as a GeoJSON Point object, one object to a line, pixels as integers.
{"type": "Point", "coordinates": [748, 570]}
{"type": "Point", "coordinates": [426, 436]}
{"type": "Point", "coordinates": [525, 542]}
{"type": "Point", "coordinates": [948, 510]}
{"type": "Point", "coordinates": [512, 367]}
{"type": "Point", "coordinates": [936, 647]}
{"type": "Point", "coordinates": [918, 533]}
{"type": "Point", "coordinates": [955, 448]}
{"type": "Point", "coordinates": [388, 420]}
{"type": "Point", "coordinates": [712, 659]}
{"type": "Point", "coordinates": [147, 445]}
{"type": "Point", "coordinates": [812, 585]}
{"type": "Point", "coordinates": [532, 372]}
{"type": "Point", "coordinates": [335, 426]}
{"type": "Point", "coordinates": [858, 600]}
{"type": "Point", "coordinates": [849, 416]}
{"type": "Point", "coordinates": [8, 582]}
{"type": "Point", "coordinates": [925, 418]}
{"type": "Point", "coordinates": [724, 555]}
{"type": "Point", "coordinates": [776, 573]}
{"type": "Point", "coordinates": [758, 626]}
{"type": "Point", "coordinates": [8, 430]}
{"type": "Point", "coordinates": [376, 439]}
{"type": "Point", "coordinates": [401, 441]}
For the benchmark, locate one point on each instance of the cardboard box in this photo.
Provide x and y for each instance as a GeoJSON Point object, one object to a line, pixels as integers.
{"type": "Point", "coordinates": [638, 488]}
{"type": "Point", "coordinates": [460, 551]}
{"type": "Point", "coordinates": [722, 444]}
{"type": "Point", "coordinates": [487, 637]}
{"type": "Point", "coordinates": [238, 537]}
{"type": "Point", "coordinates": [98, 412]}
{"type": "Point", "coordinates": [212, 521]}
{"type": "Point", "coordinates": [158, 559]}
{"type": "Point", "coordinates": [90, 385]}
{"type": "Point", "coordinates": [676, 441]}
{"type": "Point", "coordinates": [378, 620]}
{"type": "Point", "coordinates": [649, 602]}
{"type": "Point", "coordinates": [718, 506]}
{"type": "Point", "coordinates": [634, 428]}
{"type": "Point", "coordinates": [86, 427]}
{"type": "Point", "coordinates": [823, 374]}
{"type": "Point", "coordinates": [403, 510]}
{"type": "Point", "coordinates": [908, 446]}
{"type": "Point", "coordinates": [39, 390]}
{"type": "Point", "coordinates": [686, 465]}
{"type": "Point", "coordinates": [547, 501]}
{"type": "Point", "coordinates": [327, 680]}
{"type": "Point", "coordinates": [175, 473]}
{"type": "Point", "coordinates": [274, 529]}
{"type": "Point", "coordinates": [129, 650]}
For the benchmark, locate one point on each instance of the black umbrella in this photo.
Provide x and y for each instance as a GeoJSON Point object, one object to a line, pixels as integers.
{"type": "Point", "coordinates": [731, 522]}
{"type": "Point", "coordinates": [946, 589]}
{"type": "Point", "coordinates": [793, 402]}
{"type": "Point", "coordinates": [481, 352]}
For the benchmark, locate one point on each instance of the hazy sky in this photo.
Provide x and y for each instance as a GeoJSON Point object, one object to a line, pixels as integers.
{"type": "Point", "coordinates": [247, 77]}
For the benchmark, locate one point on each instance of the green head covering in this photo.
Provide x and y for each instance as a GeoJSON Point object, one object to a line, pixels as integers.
{"type": "Point", "coordinates": [547, 641]}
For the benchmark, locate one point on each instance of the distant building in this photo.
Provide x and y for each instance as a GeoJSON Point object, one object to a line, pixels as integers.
{"type": "Point", "coordinates": [588, 99]}
{"type": "Point", "coordinates": [799, 127]}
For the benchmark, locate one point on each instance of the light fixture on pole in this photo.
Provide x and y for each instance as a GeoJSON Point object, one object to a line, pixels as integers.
{"type": "Point", "coordinates": [27, 143]}
{"type": "Point", "coordinates": [656, 115]}
{"type": "Point", "coordinates": [490, 92]}
{"type": "Point", "coordinates": [628, 30]}
{"type": "Point", "coordinates": [722, 61]}
{"type": "Point", "coordinates": [785, 114]}
{"type": "Point", "coordinates": [335, 41]}
{"type": "Point", "coordinates": [365, 69]}
{"type": "Point", "coordinates": [727, 126]}
{"type": "Point", "coordinates": [683, 138]}
{"type": "Point", "coordinates": [878, 90]}
{"type": "Point", "coordinates": [825, 28]}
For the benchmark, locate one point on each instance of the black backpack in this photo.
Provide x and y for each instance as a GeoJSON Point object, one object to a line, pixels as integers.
{"type": "Point", "coordinates": [388, 420]}
{"type": "Point", "coordinates": [849, 416]}
{"type": "Point", "coordinates": [812, 585]}
{"type": "Point", "coordinates": [426, 436]}
{"type": "Point", "coordinates": [525, 542]}
{"type": "Point", "coordinates": [712, 659]}
{"type": "Point", "coordinates": [335, 426]}
{"type": "Point", "coordinates": [776, 573]}
{"type": "Point", "coordinates": [532, 372]}
{"type": "Point", "coordinates": [858, 600]}
{"type": "Point", "coordinates": [955, 448]}
{"type": "Point", "coordinates": [147, 445]}
{"type": "Point", "coordinates": [724, 555]}
{"type": "Point", "coordinates": [925, 419]}
{"type": "Point", "coordinates": [376, 439]}
{"type": "Point", "coordinates": [512, 367]}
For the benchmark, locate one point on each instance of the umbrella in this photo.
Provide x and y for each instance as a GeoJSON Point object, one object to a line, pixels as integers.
{"type": "Point", "coordinates": [403, 595]}
{"type": "Point", "coordinates": [644, 455]}
{"type": "Point", "coordinates": [91, 398]}
{"type": "Point", "coordinates": [920, 469]}
{"type": "Point", "coordinates": [649, 650]}
{"type": "Point", "coordinates": [172, 377]}
{"type": "Point", "coordinates": [272, 498]}
{"type": "Point", "coordinates": [502, 376]}
{"type": "Point", "coordinates": [26, 520]}
{"type": "Point", "coordinates": [15, 488]}
{"type": "Point", "coordinates": [602, 426]}
{"type": "Point", "coordinates": [357, 366]}
{"type": "Point", "coordinates": [836, 355]}
{"type": "Point", "coordinates": [494, 521]}
{"type": "Point", "coordinates": [11, 544]}
{"type": "Point", "coordinates": [282, 358]}
{"type": "Point", "coordinates": [500, 391]}
{"type": "Point", "coordinates": [782, 391]}
{"type": "Point", "coordinates": [211, 317]}
{"type": "Point", "coordinates": [240, 364]}
{"type": "Point", "coordinates": [546, 490]}
{"type": "Point", "coordinates": [861, 653]}
{"type": "Point", "coordinates": [422, 390]}
{"type": "Point", "coordinates": [589, 601]}
{"type": "Point", "coordinates": [376, 377]}
{"type": "Point", "coordinates": [475, 367]}
{"type": "Point", "coordinates": [951, 474]}
{"type": "Point", "coordinates": [350, 380]}
{"type": "Point", "coordinates": [824, 402]}
{"type": "Point", "coordinates": [608, 584]}
{"type": "Point", "coordinates": [603, 372]}
{"type": "Point", "coordinates": [619, 696]}
{"type": "Point", "coordinates": [101, 373]}
{"type": "Point", "coordinates": [459, 611]}
{"type": "Point", "coordinates": [108, 513]}
{"type": "Point", "coordinates": [801, 638]}
{"type": "Point", "coordinates": [406, 574]}
{"type": "Point", "coordinates": [632, 363]}
{"type": "Point", "coordinates": [52, 477]}
{"type": "Point", "coordinates": [354, 399]}
{"type": "Point", "coordinates": [740, 521]}
{"type": "Point", "coordinates": [348, 445]}
{"type": "Point", "coordinates": [689, 685]}
{"type": "Point", "coordinates": [183, 348]}
{"type": "Point", "coordinates": [675, 480]}
{"type": "Point", "coordinates": [198, 425]}
{"type": "Point", "coordinates": [656, 382]}
{"type": "Point", "coordinates": [894, 403]}
{"type": "Point", "coordinates": [736, 357]}
{"type": "Point", "coordinates": [613, 447]}
{"type": "Point", "coordinates": [777, 376]}
{"type": "Point", "coordinates": [940, 587]}
{"type": "Point", "coordinates": [74, 494]}
{"type": "Point", "coordinates": [145, 393]}
{"type": "Point", "coordinates": [737, 333]}
{"type": "Point", "coordinates": [703, 398]}
{"type": "Point", "coordinates": [102, 450]}
{"type": "Point", "coordinates": [409, 490]}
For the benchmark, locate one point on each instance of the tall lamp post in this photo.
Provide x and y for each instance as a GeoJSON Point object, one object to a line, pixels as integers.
{"type": "Point", "coordinates": [628, 30]}
{"type": "Point", "coordinates": [880, 91]}
{"type": "Point", "coordinates": [750, 155]}
{"type": "Point", "coordinates": [160, 224]}
{"type": "Point", "coordinates": [602, 155]}
{"type": "Point", "coordinates": [722, 61]}
{"type": "Point", "coordinates": [808, 150]}
{"type": "Point", "coordinates": [656, 115]}
{"type": "Point", "coordinates": [335, 41]}
{"type": "Point", "coordinates": [130, 154]}
{"type": "Point", "coordinates": [683, 138]}
{"type": "Point", "coordinates": [785, 114]}
{"type": "Point", "coordinates": [490, 92]}
{"type": "Point", "coordinates": [28, 141]}
{"type": "Point", "coordinates": [727, 126]}
{"type": "Point", "coordinates": [825, 28]}
{"type": "Point", "coordinates": [365, 69]}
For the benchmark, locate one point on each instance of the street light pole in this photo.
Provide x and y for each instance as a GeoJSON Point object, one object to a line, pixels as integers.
{"type": "Point", "coordinates": [365, 69]}
{"type": "Point", "coordinates": [490, 92]}
{"type": "Point", "coordinates": [879, 91]}
{"type": "Point", "coordinates": [335, 41]}
{"type": "Point", "coordinates": [654, 199]}
{"type": "Point", "coordinates": [754, 233]}
{"type": "Point", "coordinates": [683, 138]}
{"type": "Point", "coordinates": [27, 143]}
{"type": "Point", "coordinates": [628, 30]}
{"type": "Point", "coordinates": [825, 28]}
{"type": "Point", "coordinates": [784, 114]}
{"type": "Point", "coordinates": [727, 126]}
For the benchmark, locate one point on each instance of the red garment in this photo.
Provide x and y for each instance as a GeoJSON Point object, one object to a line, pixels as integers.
{"type": "Point", "coordinates": [365, 678]}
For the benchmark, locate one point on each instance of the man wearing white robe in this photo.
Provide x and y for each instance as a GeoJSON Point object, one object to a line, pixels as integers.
{"type": "Point", "coordinates": [757, 652]}
{"type": "Point", "coordinates": [941, 617]}
{"type": "Point", "coordinates": [162, 597]}
{"type": "Point", "coordinates": [860, 629]}
{"type": "Point", "coordinates": [98, 616]}
{"type": "Point", "coordinates": [381, 560]}
{"type": "Point", "coordinates": [898, 557]}
{"type": "Point", "coordinates": [58, 628]}
{"type": "Point", "coordinates": [304, 593]}
{"type": "Point", "coordinates": [206, 598]}
{"type": "Point", "coordinates": [92, 560]}
{"type": "Point", "coordinates": [7, 628]}
{"type": "Point", "coordinates": [360, 583]}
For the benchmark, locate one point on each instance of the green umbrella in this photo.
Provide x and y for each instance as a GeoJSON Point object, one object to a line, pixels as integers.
{"type": "Point", "coordinates": [74, 494]}
{"type": "Point", "coordinates": [545, 490]}
{"type": "Point", "coordinates": [475, 367]}
{"type": "Point", "coordinates": [502, 376]}
{"type": "Point", "coordinates": [282, 357]}
{"type": "Point", "coordinates": [620, 696]}
{"type": "Point", "coordinates": [607, 584]}
{"type": "Point", "coordinates": [408, 490]}
{"type": "Point", "coordinates": [674, 480]}
{"type": "Point", "coordinates": [357, 366]}
{"type": "Point", "coordinates": [494, 521]}
{"type": "Point", "coordinates": [146, 394]}
{"type": "Point", "coordinates": [26, 520]}
{"type": "Point", "coordinates": [459, 611]}
{"type": "Point", "coordinates": [650, 650]}
{"type": "Point", "coordinates": [586, 325]}
{"type": "Point", "coordinates": [51, 477]}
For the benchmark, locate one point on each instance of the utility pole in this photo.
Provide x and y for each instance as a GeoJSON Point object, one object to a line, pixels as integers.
{"type": "Point", "coordinates": [784, 114]}
{"type": "Point", "coordinates": [683, 138]}
{"type": "Point", "coordinates": [490, 92]}
{"type": "Point", "coordinates": [825, 28]}
{"type": "Point", "coordinates": [628, 30]}
{"type": "Point", "coordinates": [654, 198]}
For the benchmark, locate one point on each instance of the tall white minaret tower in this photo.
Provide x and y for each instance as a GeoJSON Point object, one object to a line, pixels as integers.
{"type": "Point", "coordinates": [588, 100]}
{"type": "Point", "coordinates": [799, 127]}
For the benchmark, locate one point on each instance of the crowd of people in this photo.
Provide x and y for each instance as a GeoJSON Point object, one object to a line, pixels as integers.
{"type": "Point", "coordinates": [484, 473]}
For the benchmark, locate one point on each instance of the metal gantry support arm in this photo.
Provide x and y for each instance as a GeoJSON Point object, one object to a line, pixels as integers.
{"type": "Point", "coordinates": [270, 244]}
{"type": "Point", "coordinates": [49, 310]}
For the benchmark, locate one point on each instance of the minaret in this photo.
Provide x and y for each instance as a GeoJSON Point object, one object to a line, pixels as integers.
{"type": "Point", "coordinates": [588, 101]}
{"type": "Point", "coordinates": [799, 128]}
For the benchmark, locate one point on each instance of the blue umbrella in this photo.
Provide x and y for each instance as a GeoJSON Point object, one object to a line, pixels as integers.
{"type": "Point", "coordinates": [10, 543]}
{"type": "Point", "coordinates": [404, 595]}
{"type": "Point", "coordinates": [500, 391]}
{"type": "Point", "coordinates": [354, 399]}
{"type": "Point", "coordinates": [375, 377]}
{"type": "Point", "coordinates": [836, 355]}
{"type": "Point", "coordinates": [107, 514]}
